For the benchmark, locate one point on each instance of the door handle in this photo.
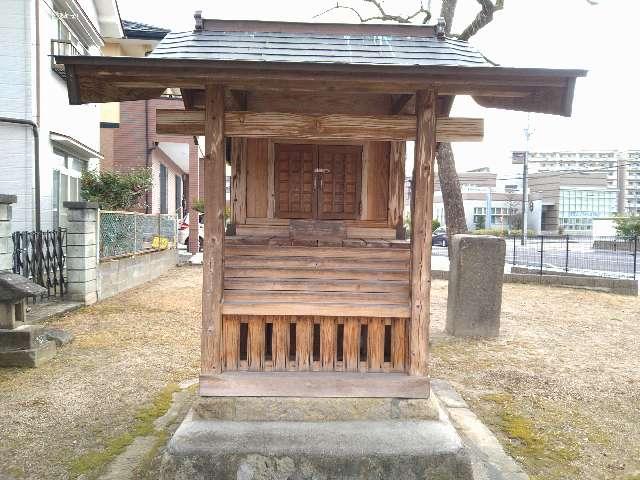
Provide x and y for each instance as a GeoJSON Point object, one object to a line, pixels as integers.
{"type": "Point", "coordinates": [322, 170]}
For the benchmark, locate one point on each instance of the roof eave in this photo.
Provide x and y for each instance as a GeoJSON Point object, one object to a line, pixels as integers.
{"type": "Point", "coordinates": [544, 90]}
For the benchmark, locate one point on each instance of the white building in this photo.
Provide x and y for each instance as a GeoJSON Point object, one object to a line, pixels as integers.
{"type": "Point", "coordinates": [622, 168]}
{"type": "Point", "coordinates": [68, 137]}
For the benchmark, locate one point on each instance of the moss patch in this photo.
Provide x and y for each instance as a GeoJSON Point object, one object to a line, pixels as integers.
{"type": "Point", "coordinates": [531, 443]}
{"type": "Point", "coordinates": [94, 461]}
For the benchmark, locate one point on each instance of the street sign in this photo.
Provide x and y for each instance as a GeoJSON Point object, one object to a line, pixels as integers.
{"type": "Point", "coordinates": [517, 158]}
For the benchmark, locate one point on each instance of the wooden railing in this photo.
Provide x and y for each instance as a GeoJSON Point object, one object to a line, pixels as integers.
{"type": "Point", "coordinates": [306, 343]}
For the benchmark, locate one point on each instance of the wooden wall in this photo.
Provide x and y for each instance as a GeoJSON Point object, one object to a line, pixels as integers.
{"type": "Point", "coordinates": [256, 177]}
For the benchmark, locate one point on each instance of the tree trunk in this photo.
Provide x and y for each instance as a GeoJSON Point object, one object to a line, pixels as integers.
{"type": "Point", "coordinates": [455, 220]}
{"type": "Point", "coordinates": [451, 193]}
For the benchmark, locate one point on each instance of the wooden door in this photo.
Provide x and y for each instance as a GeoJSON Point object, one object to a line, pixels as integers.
{"type": "Point", "coordinates": [339, 180]}
{"type": "Point", "coordinates": [295, 196]}
{"type": "Point", "coordinates": [318, 181]}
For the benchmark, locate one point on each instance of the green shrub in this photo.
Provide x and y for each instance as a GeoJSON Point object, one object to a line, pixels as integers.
{"type": "Point", "coordinates": [115, 190]}
{"type": "Point", "coordinates": [497, 232]}
{"type": "Point", "coordinates": [435, 224]}
{"type": "Point", "coordinates": [628, 225]}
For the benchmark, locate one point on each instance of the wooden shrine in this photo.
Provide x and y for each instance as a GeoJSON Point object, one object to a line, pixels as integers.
{"type": "Point", "coordinates": [317, 293]}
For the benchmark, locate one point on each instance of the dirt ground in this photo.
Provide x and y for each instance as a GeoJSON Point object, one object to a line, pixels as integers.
{"type": "Point", "coordinates": [560, 387]}
{"type": "Point", "coordinates": [126, 351]}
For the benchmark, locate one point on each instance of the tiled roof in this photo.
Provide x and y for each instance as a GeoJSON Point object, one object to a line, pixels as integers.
{"type": "Point", "coordinates": [143, 30]}
{"type": "Point", "coordinates": [364, 49]}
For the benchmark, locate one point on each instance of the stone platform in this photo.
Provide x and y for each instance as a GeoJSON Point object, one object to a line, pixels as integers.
{"type": "Point", "coordinates": [25, 346]}
{"type": "Point", "coordinates": [323, 438]}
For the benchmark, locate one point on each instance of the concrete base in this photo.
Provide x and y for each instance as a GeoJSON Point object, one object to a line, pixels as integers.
{"type": "Point", "coordinates": [346, 449]}
{"type": "Point", "coordinates": [25, 346]}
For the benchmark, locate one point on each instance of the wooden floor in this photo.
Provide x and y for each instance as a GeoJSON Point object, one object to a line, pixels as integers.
{"type": "Point", "coordinates": [318, 281]}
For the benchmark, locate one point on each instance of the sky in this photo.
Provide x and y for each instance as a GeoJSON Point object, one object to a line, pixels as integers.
{"type": "Point", "coordinates": [527, 33]}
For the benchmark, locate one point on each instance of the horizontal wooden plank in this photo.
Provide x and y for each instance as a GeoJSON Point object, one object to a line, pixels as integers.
{"type": "Point", "coordinates": [286, 221]}
{"type": "Point", "coordinates": [319, 263]}
{"type": "Point", "coordinates": [317, 285]}
{"type": "Point", "coordinates": [402, 310]}
{"type": "Point", "coordinates": [335, 273]}
{"type": "Point", "coordinates": [311, 296]}
{"type": "Point", "coordinates": [283, 231]}
{"type": "Point", "coordinates": [371, 233]}
{"type": "Point", "coordinates": [314, 384]}
{"type": "Point", "coordinates": [328, 252]}
{"type": "Point", "coordinates": [338, 126]}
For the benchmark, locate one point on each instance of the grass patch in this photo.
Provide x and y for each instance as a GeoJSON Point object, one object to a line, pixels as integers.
{"type": "Point", "coordinates": [96, 460]}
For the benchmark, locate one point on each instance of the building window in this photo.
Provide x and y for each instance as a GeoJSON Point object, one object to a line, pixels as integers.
{"type": "Point", "coordinates": [67, 171]}
{"type": "Point", "coordinates": [178, 202]}
{"type": "Point", "coordinates": [163, 189]}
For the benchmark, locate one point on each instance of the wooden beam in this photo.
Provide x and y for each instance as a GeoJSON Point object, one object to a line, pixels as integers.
{"type": "Point", "coordinates": [400, 103]}
{"type": "Point", "coordinates": [317, 127]}
{"type": "Point", "coordinates": [421, 215]}
{"type": "Point", "coordinates": [395, 216]}
{"type": "Point", "coordinates": [213, 265]}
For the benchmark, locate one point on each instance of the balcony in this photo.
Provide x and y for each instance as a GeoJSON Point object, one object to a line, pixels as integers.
{"type": "Point", "coordinates": [60, 48]}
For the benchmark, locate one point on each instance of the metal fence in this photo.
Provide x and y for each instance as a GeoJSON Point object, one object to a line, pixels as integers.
{"type": "Point", "coordinates": [600, 256]}
{"type": "Point", "coordinates": [41, 257]}
{"type": "Point", "coordinates": [126, 233]}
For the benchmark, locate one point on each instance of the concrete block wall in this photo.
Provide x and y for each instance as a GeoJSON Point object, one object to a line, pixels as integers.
{"type": "Point", "coordinates": [119, 274]}
{"type": "Point", "coordinates": [6, 244]}
{"type": "Point", "coordinates": [82, 247]}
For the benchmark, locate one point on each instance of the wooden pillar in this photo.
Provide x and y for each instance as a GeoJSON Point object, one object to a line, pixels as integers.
{"type": "Point", "coordinates": [421, 215]}
{"type": "Point", "coordinates": [238, 181]}
{"type": "Point", "coordinates": [214, 203]}
{"type": "Point", "coordinates": [395, 215]}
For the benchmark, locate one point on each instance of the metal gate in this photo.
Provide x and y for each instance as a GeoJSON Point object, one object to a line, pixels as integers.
{"type": "Point", "coordinates": [41, 257]}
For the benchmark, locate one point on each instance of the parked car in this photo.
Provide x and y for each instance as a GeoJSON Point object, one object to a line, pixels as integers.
{"type": "Point", "coordinates": [183, 230]}
{"type": "Point", "coordinates": [440, 240]}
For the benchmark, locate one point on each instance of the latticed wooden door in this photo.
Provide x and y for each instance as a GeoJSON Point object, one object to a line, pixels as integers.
{"type": "Point", "coordinates": [295, 196]}
{"type": "Point", "coordinates": [339, 174]}
{"type": "Point", "coordinates": [318, 181]}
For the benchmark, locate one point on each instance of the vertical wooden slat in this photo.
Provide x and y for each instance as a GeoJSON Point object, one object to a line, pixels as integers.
{"type": "Point", "coordinates": [327, 343]}
{"type": "Point", "coordinates": [280, 343]}
{"type": "Point", "coordinates": [213, 263]}
{"type": "Point", "coordinates": [364, 188]}
{"type": "Point", "coordinates": [398, 340]}
{"type": "Point", "coordinates": [239, 180]}
{"type": "Point", "coordinates": [396, 187]}
{"type": "Point", "coordinates": [271, 181]}
{"type": "Point", "coordinates": [421, 215]}
{"type": "Point", "coordinates": [304, 343]}
{"type": "Point", "coordinates": [375, 345]}
{"type": "Point", "coordinates": [231, 342]}
{"type": "Point", "coordinates": [351, 344]}
{"type": "Point", "coordinates": [256, 343]}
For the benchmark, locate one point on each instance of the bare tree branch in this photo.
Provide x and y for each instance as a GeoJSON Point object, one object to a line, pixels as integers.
{"type": "Point", "coordinates": [483, 18]}
{"type": "Point", "coordinates": [383, 15]}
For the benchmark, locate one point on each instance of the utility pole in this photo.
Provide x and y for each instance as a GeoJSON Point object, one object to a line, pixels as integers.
{"type": "Point", "coordinates": [525, 183]}
{"type": "Point", "coordinates": [488, 223]}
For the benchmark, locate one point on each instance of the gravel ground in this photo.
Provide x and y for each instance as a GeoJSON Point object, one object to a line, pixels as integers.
{"type": "Point", "coordinates": [127, 349]}
{"type": "Point", "coordinates": [560, 387]}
